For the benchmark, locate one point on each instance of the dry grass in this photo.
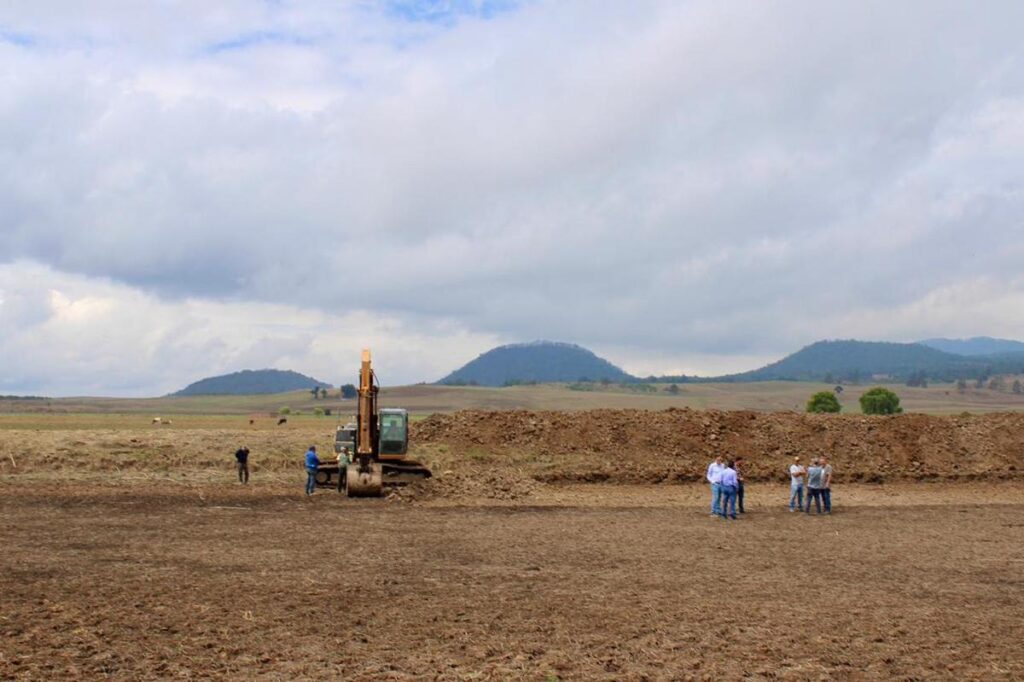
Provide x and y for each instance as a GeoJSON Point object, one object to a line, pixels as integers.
{"type": "Point", "coordinates": [422, 400]}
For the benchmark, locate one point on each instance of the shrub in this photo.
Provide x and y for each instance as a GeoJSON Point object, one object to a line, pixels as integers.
{"type": "Point", "coordinates": [285, 410]}
{"type": "Point", "coordinates": [824, 401]}
{"type": "Point", "coordinates": [318, 411]}
{"type": "Point", "coordinates": [880, 400]}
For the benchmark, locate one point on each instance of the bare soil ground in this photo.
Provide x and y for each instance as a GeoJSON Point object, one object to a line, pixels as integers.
{"type": "Point", "coordinates": [547, 546]}
{"type": "Point", "coordinates": [904, 581]}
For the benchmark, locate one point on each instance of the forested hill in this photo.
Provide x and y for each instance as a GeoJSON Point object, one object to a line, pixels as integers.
{"type": "Point", "coordinates": [978, 345]}
{"type": "Point", "coordinates": [249, 382]}
{"type": "Point", "coordinates": [540, 362]}
{"type": "Point", "coordinates": [860, 360]}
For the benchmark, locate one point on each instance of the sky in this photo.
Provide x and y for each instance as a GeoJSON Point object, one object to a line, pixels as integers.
{"type": "Point", "coordinates": [686, 186]}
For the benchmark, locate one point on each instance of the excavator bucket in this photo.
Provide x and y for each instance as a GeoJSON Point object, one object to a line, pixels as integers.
{"type": "Point", "coordinates": [365, 481]}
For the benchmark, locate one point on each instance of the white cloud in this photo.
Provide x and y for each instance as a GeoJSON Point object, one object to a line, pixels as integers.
{"type": "Point", "coordinates": [695, 185]}
{"type": "Point", "coordinates": [72, 335]}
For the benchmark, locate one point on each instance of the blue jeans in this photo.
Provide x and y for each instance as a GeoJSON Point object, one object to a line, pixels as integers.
{"type": "Point", "coordinates": [826, 498]}
{"type": "Point", "coordinates": [796, 496]}
{"type": "Point", "coordinates": [813, 494]}
{"type": "Point", "coordinates": [310, 482]}
{"type": "Point", "coordinates": [716, 497]}
{"type": "Point", "coordinates": [728, 500]}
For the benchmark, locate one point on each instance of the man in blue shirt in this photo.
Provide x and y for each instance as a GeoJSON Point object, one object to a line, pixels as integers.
{"type": "Point", "coordinates": [730, 484]}
{"type": "Point", "coordinates": [814, 485]}
{"type": "Point", "coordinates": [312, 462]}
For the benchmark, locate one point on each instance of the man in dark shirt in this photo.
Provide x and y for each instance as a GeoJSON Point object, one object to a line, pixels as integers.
{"type": "Point", "coordinates": [739, 466]}
{"type": "Point", "coordinates": [242, 456]}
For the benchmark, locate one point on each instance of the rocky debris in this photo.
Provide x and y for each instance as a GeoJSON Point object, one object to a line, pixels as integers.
{"type": "Point", "coordinates": [638, 446]}
{"type": "Point", "coordinates": [471, 483]}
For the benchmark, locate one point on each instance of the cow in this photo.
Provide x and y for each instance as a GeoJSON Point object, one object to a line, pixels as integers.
{"type": "Point", "coordinates": [157, 420]}
{"type": "Point", "coordinates": [282, 420]}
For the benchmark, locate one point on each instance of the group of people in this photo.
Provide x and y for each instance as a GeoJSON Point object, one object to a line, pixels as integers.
{"type": "Point", "coordinates": [312, 463]}
{"type": "Point", "coordinates": [815, 480]}
{"type": "Point", "coordinates": [726, 479]}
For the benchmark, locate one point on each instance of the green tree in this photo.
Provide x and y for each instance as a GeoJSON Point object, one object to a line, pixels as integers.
{"type": "Point", "coordinates": [673, 389]}
{"type": "Point", "coordinates": [961, 385]}
{"type": "Point", "coordinates": [348, 391]}
{"type": "Point", "coordinates": [824, 401]}
{"type": "Point", "coordinates": [1017, 389]}
{"type": "Point", "coordinates": [318, 411]}
{"type": "Point", "coordinates": [285, 410]}
{"type": "Point", "coordinates": [918, 378]}
{"type": "Point", "coordinates": [880, 400]}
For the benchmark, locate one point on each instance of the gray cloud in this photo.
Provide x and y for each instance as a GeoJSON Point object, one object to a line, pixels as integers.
{"type": "Point", "coordinates": [682, 181]}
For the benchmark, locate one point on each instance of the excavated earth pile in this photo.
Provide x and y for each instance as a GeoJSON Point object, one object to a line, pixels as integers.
{"type": "Point", "coordinates": [637, 446]}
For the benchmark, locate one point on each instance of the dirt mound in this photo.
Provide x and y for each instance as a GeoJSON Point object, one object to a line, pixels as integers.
{"type": "Point", "coordinates": [473, 483]}
{"type": "Point", "coordinates": [637, 446]}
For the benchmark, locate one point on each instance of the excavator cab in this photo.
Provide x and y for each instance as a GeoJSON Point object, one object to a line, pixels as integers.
{"type": "Point", "coordinates": [394, 431]}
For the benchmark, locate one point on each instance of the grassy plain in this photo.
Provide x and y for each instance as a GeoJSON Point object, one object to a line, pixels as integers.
{"type": "Point", "coordinates": [422, 400]}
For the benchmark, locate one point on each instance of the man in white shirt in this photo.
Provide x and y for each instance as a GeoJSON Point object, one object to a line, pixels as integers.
{"type": "Point", "coordinates": [714, 477]}
{"type": "Point", "coordinates": [796, 485]}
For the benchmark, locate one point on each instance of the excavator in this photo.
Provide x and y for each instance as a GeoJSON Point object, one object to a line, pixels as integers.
{"type": "Point", "coordinates": [372, 451]}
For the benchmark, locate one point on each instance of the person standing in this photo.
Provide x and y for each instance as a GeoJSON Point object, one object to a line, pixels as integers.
{"type": "Point", "coordinates": [242, 458]}
{"type": "Point", "coordinates": [714, 477]}
{"type": "Point", "coordinates": [814, 473]}
{"type": "Point", "coordinates": [738, 466]}
{"type": "Point", "coordinates": [796, 485]}
{"type": "Point", "coordinates": [729, 485]}
{"type": "Point", "coordinates": [826, 485]}
{"type": "Point", "coordinates": [312, 462]}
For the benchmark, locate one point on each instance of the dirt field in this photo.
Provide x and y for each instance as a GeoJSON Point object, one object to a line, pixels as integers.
{"type": "Point", "coordinates": [548, 546]}
{"type": "Point", "coordinates": [585, 582]}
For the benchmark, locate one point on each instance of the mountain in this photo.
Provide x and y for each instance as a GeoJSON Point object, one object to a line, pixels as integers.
{"type": "Point", "coordinates": [860, 360]}
{"type": "Point", "coordinates": [250, 381]}
{"type": "Point", "coordinates": [978, 345]}
{"type": "Point", "coordinates": [540, 361]}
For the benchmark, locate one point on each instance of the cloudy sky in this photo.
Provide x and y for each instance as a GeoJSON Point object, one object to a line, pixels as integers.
{"type": "Point", "coordinates": [191, 188]}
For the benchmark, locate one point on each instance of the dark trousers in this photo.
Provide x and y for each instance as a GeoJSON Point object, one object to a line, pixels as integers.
{"type": "Point", "coordinates": [243, 472]}
{"type": "Point", "coordinates": [813, 494]}
{"type": "Point", "coordinates": [310, 482]}
{"type": "Point", "coordinates": [826, 498]}
{"type": "Point", "coordinates": [739, 498]}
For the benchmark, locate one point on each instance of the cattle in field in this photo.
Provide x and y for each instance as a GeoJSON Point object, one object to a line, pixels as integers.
{"type": "Point", "coordinates": [157, 420]}
{"type": "Point", "coordinates": [282, 420]}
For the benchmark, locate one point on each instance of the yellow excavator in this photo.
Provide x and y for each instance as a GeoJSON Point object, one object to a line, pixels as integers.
{"type": "Point", "coordinates": [372, 451]}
